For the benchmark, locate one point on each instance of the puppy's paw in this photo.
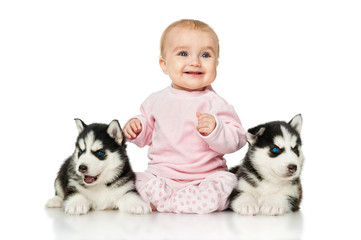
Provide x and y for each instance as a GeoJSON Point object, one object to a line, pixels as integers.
{"type": "Point", "coordinates": [55, 202]}
{"type": "Point", "coordinates": [250, 209]}
{"type": "Point", "coordinates": [245, 207]}
{"type": "Point", "coordinates": [140, 208]}
{"type": "Point", "coordinates": [77, 208]}
{"type": "Point", "coordinates": [77, 205]}
{"type": "Point", "coordinates": [272, 210]}
{"type": "Point", "coordinates": [134, 204]}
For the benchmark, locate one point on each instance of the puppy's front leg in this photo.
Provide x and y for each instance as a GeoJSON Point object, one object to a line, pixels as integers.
{"type": "Point", "coordinates": [275, 206]}
{"type": "Point", "coordinates": [76, 204]}
{"type": "Point", "coordinates": [131, 202]}
{"type": "Point", "coordinates": [245, 204]}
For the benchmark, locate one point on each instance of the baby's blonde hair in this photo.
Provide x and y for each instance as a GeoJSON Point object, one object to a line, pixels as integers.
{"type": "Point", "coordinates": [189, 24]}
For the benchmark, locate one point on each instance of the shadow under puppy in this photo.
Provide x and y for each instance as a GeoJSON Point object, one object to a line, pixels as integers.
{"type": "Point", "coordinates": [98, 175]}
{"type": "Point", "coordinates": [269, 176]}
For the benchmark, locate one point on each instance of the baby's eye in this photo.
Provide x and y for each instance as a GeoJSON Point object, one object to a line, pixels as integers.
{"type": "Point", "coordinates": [206, 55]}
{"type": "Point", "coordinates": [183, 54]}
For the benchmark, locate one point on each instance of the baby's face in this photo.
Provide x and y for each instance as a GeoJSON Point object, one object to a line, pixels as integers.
{"type": "Point", "coordinates": [190, 58]}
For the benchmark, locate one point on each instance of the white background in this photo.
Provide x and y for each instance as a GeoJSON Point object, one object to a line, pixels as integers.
{"type": "Point", "coordinates": [98, 61]}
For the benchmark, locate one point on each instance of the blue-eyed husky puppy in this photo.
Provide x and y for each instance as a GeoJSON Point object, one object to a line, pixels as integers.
{"type": "Point", "coordinates": [269, 176]}
{"type": "Point", "coordinates": [98, 175]}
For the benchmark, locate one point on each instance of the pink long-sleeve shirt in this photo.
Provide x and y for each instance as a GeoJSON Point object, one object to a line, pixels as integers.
{"type": "Point", "coordinates": [176, 149]}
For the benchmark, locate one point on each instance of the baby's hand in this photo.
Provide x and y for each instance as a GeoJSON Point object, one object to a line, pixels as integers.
{"type": "Point", "coordinates": [206, 123]}
{"type": "Point", "coordinates": [132, 129]}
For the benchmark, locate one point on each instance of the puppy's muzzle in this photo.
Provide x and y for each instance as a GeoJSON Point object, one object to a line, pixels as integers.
{"type": "Point", "coordinates": [292, 168]}
{"type": "Point", "coordinates": [87, 178]}
{"type": "Point", "coordinates": [83, 168]}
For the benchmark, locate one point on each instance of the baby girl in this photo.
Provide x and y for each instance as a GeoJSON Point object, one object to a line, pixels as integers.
{"type": "Point", "coordinates": [187, 127]}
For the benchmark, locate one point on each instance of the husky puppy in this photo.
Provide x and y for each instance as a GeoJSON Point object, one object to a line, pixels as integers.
{"type": "Point", "coordinates": [98, 175]}
{"type": "Point", "coordinates": [269, 176]}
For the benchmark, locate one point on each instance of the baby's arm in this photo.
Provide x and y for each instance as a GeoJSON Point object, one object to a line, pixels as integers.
{"type": "Point", "coordinates": [132, 129]}
{"type": "Point", "coordinates": [139, 130]}
{"type": "Point", "coordinates": [206, 123]}
{"type": "Point", "coordinates": [228, 135]}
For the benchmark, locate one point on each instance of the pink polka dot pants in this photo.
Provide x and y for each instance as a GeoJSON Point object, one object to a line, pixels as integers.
{"type": "Point", "coordinates": [206, 196]}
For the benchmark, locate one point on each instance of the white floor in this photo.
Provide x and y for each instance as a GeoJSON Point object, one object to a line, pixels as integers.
{"type": "Point", "coordinates": [37, 222]}
{"type": "Point", "coordinates": [54, 224]}
{"type": "Point", "coordinates": [225, 225]}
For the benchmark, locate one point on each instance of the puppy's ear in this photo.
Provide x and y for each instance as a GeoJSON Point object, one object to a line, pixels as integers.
{"type": "Point", "coordinates": [296, 123]}
{"type": "Point", "coordinates": [80, 124]}
{"type": "Point", "coordinates": [115, 131]}
{"type": "Point", "coordinates": [254, 133]}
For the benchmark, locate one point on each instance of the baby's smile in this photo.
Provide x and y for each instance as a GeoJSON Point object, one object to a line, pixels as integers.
{"type": "Point", "coordinates": [194, 73]}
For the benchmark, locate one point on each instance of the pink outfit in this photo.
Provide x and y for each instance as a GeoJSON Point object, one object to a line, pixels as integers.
{"type": "Point", "coordinates": [180, 157]}
{"type": "Point", "coordinates": [200, 196]}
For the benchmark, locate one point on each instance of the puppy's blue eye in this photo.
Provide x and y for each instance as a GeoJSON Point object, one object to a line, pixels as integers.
{"type": "Point", "coordinates": [81, 151]}
{"type": "Point", "coordinates": [275, 150]}
{"type": "Point", "coordinates": [100, 153]}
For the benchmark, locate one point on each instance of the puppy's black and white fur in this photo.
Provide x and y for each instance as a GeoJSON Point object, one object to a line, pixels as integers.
{"type": "Point", "coordinates": [98, 175]}
{"type": "Point", "coordinates": [269, 176]}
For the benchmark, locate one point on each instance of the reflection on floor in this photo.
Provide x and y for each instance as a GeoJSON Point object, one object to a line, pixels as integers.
{"type": "Point", "coordinates": [221, 225]}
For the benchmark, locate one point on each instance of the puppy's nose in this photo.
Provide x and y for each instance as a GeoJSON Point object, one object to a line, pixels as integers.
{"type": "Point", "coordinates": [292, 168]}
{"type": "Point", "coordinates": [83, 168]}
